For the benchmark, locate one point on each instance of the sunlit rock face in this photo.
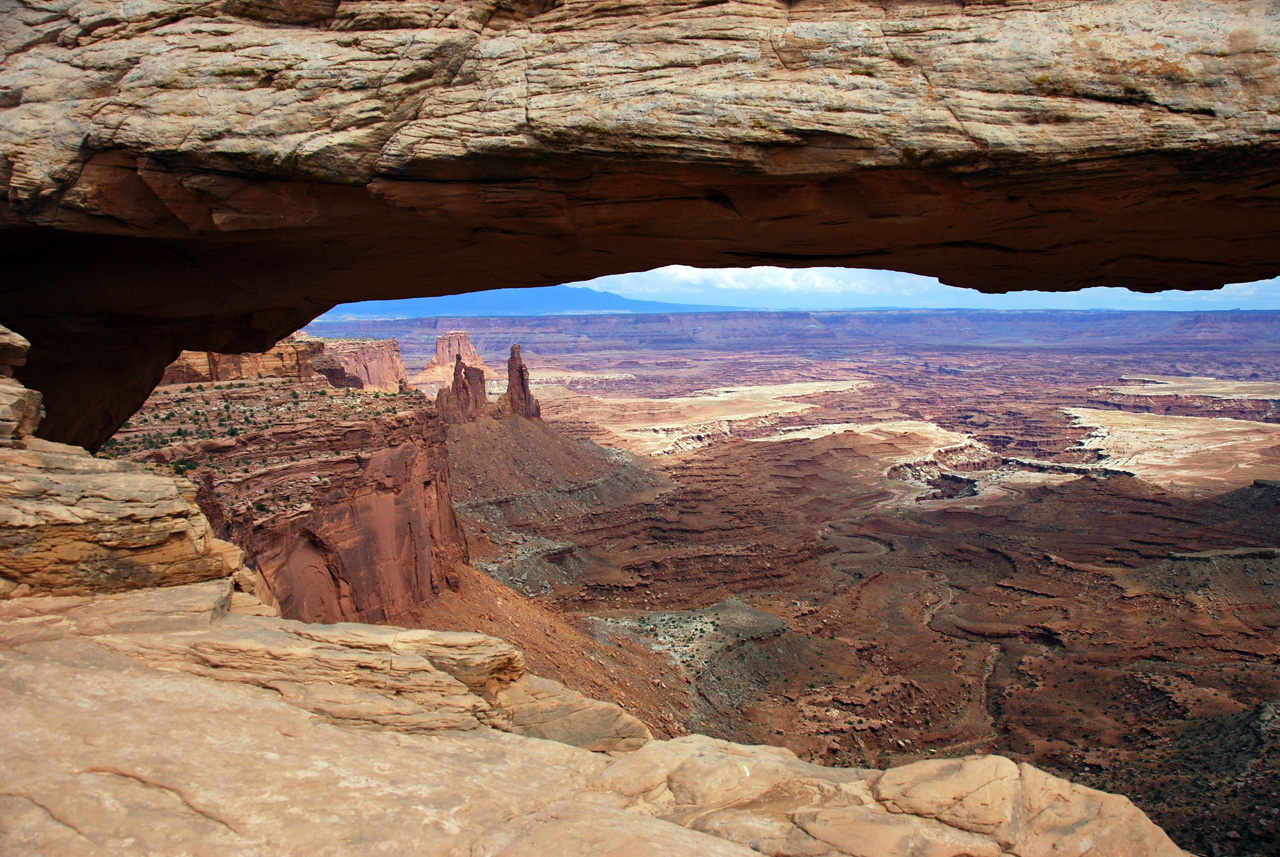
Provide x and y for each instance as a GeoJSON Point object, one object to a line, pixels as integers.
{"type": "Point", "coordinates": [364, 528]}
{"type": "Point", "coordinates": [72, 524]}
{"type": "Point", "coordinates": [211, 175]}
{"type": "Point", "coordinates": [363, 365]}
{"type": "Point", "coordinates": [278, 734]}
{"type": "Point", "coordinates": [288, 359]}
{"type": "Point", "coordinates": [519, 397]}
{"type": "Point", "coordinates": [450, 347]}
{"type": "Point", "coordinates": [464, 399]}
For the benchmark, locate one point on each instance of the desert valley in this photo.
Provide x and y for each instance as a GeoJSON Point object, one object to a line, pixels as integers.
{"type": "Point", "coordinates": [648, 577]}
{"type": "Point", "coordinates": [870, 538]}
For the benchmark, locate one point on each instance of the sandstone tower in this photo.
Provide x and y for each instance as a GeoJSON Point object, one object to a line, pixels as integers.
{"type": "Point", "coordinates": [518, 395]}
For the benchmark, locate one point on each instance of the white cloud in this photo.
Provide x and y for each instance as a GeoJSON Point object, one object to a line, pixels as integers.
{"type": "Point", "coordinates": [1238, 290]}
{"type": "Point", "coordinates": [841, 288]}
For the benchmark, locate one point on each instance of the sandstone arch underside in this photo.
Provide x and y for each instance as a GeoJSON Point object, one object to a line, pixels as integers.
{"type": "Point", "coordinates": [211, 174]}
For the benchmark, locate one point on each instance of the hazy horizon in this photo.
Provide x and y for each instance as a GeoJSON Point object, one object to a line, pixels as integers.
{"type": "Point", "coordinates": [820, 290]}
{"type": "Point", "coordinates": [855, 288]}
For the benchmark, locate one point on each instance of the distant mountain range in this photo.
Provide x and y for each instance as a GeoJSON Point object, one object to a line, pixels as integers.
{"type": "Point", "coordinates": [543, 300]}
{"type": "Point", "coordinates": [826, 333]}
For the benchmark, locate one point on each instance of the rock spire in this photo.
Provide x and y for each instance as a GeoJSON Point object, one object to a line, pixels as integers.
{"type": "Point", "coordinates": [464, 399]}
{"type": "Point", "coordinates": [518, 395]}
{"type": "Point", "coordinates": [450, 346]}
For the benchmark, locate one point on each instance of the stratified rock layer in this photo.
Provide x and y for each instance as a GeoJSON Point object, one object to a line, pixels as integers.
{"type": "Point", "coordinates": [259, 753]}
{"type": "Point", "coordinates": [450, 347]}
{"type": "Point", "coordinates": [199, 176]}
{"type": "Point", "coordinates": [74, 524]}
{"type": "Point", "coordinates": [288, 359]}
{"type": "Point", "coordinates": [20, 409]}
{"type": "Point", "coordinates": [347, 520]}
{"type": "Point", "coordinates": [358, 364]}
{"type": "Point", "coordinates": [363, 365]}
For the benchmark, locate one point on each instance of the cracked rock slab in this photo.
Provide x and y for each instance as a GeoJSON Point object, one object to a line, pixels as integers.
{"type": "Point", "coordinates": [158, 722]}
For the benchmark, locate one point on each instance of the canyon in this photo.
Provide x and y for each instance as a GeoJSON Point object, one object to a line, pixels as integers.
{"type": "Point", "coordinates": [875, 549]}
{"type": "Point", "coordinates": [338, 722]}
{"type": "Point", "coordinates": [871, 555]}
{"type": "Point", "coordinates": [976, 559]}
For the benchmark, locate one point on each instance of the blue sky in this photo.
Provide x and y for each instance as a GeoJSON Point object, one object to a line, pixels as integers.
{"type": "Point", "coordinates": [842, 288]}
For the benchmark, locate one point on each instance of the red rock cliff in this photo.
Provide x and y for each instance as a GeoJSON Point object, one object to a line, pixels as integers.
{"type": "Point", "coordinates": [450, 346]}
{"type": "Point", "coordinates": [291, 358]}
{"type": "Point", "coordinates": [465, 398]}
{"type": "Point", "coordinates": [363, 365]}
{"type": "Point", "coordinates": [343, 520]}
{"type": "Point", "coordinates": [518, 395]}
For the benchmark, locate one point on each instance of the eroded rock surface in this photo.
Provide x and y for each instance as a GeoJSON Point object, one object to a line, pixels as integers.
{"type": "Point", "coordinates": [450, 346]}
{"type": "Point", "coordinates": [363, 364]}
{"type": "Point", "coordinates": [20, 409]}
{"type": "Point", "coordinates": [363, 150]}
{"type": "Point", "coordinates": [395, 678]}
{"type": "Point", "coordinates": [290, 358]}
{"type": "Point", "coordinates": [359, 363]}
{"type": "Point", "coordinates": [464, 399]}
{"type": "Point", "coordinates": [74, 524]}
{"type": "Point", "coordinates": [519, 398]}
{"type": "Point", "coordinates": [345, 520]}
{"type": "Point", "coordinates": [71, 524]}
{"type": "Point", "coordinates": [259, 753]}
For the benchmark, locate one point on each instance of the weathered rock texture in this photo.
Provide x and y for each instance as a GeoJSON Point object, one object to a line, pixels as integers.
{"type": "Point", "coordinates": [450, 346]}
{"type": "Point", "coordinates": [343, 519]}
{"type": "Point", "coordinates": [288, 359]}
{"type": "Point", "coordinates": [20, 409]}
{"type": "Point", "coordinates": [259, 754]}
{"type": "Point", "coordinates": [358, 364]}
{"type": "Point", "coordinates": [195, 175]}
{"type": "Point", "coordinates": [399, 679]}
{"type": "Point", "coordinates": [519, 397]}
{"type": "Point", "coordinates": [464, 399]}
{"type": "Point", "coordinates": [363, 364]}
{"type": "Point", "coordinates": [71, 523]}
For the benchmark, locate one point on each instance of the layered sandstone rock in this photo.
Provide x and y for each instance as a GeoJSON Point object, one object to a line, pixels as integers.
{"type": "Point", "coordinates": [394, 678]}
{"type": "Point", "coordinates": [358, 364]}
{"type": "Point", "coordinates": [291, 358]}
{"type": "Point", "coordinates": [20, 409]}
{"type": "Point", "coordinates": [71, 523]}
{"type": "Point", "coordinates": [343, 520]}
{"type": "Point", "coordinates": [341, 498]}
{"type": "Point", "coordinates": [464, 399]}
{"type": "Point", "coordinates": [450, 347]}
{"type": "Point", "coordinates": [363, 364]}
{"type": "Point", "coordinates": [276, 159]}
{"type": "Point", "coordinates": [519, 397]}
{"type": "Point", "coordinates": [260, 753]}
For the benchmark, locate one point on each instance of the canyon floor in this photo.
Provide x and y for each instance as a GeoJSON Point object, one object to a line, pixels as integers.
{"type": "Point", "coordinates": [873, 554]}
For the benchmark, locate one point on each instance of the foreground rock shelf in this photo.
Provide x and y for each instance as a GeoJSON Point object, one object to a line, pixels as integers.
{"type": "Point", "coordinates": [162, 721]}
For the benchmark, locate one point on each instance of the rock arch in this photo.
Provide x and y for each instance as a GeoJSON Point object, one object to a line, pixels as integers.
{"type": "Point", "coordinates": [212, 176]}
